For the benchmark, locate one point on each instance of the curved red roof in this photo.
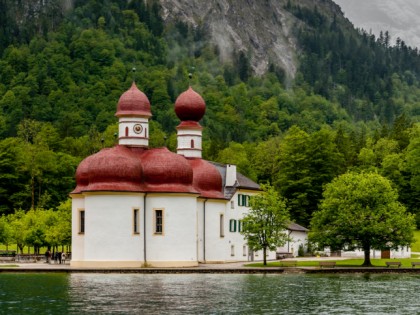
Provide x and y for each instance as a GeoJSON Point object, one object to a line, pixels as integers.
{"type": "Point", "coordinates": [190, 106]}
{"type": "Point", "coordinates": [133, 103]}
{"type": "Point", "coordinates": [82, 175]}
{"type": "Point", "coordinates": [114, 169]}
{"type": "Point", "coordinates": [165, 171]}
{"type": "Point", "coordinates": [207, 179]}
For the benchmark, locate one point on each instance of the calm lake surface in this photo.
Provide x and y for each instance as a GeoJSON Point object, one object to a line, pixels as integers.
{"type": "Point", "coordinates": [208, 294]}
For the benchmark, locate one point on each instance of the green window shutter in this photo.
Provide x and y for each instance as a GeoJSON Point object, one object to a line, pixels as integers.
{"type": "Point", "coordinates": [244, 200]}
{"type": "Point", "coordinates": [232, 225]}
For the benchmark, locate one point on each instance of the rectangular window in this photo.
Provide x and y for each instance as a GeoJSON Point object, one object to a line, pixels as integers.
{"type": "Point", "coordinates": [82, 221]}
{"type": "Point", "coordinates": [243, 200]}
{"type": "Point", "coordinates": [232, 225]}
{"type": "Point", "coordinates": [232, 204]}
{"type": "Point", "coordinates": [136, 221]}
{"type": "Point", "coordinates": [240, 200]}
{"type": "Point", "coordinates": [244, 250]}
{"type": "Point", "coordinates": [159, 221]}
{"type": "Point", "coordinates": [239, 226]}
{"type": "Point", "coordinates": [222, 226]}
{"type": "Point", "coordinates": [232, 250]}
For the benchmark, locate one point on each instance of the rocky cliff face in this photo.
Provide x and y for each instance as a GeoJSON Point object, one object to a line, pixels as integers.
{"type": "Point", "coordinates": [263, 29]}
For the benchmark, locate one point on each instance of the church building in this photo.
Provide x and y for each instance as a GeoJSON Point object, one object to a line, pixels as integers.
{"type": "Point", "coordinates": [134, 206]}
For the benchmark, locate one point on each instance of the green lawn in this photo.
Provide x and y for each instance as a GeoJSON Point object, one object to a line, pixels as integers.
{"type": "Point", "coordinates": [415, 247]}
{"type": "Point", "coordinates": [405, 262]}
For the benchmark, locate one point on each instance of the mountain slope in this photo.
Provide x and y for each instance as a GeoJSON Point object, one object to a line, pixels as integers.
{"type": "Point", "coordinates": [264, 30]}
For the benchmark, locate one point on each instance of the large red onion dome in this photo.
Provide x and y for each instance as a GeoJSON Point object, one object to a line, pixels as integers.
{"type": "Point", "coordinates": [114, 169]}
{"type": "Point", "coordinates": [166, 171]}
{"type": "Point", "coordinates": [133, 103]}
{"type": "Point", "coordinates": [82, 175]}
{"type": "Point", "coordinates": [207, 179]}
{"type": "Point", "coordinates": [190, 106]}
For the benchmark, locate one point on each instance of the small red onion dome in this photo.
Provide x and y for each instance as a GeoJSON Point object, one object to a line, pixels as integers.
{"type": "Point", "coordinates": [114, 169]}
{"type": "Point", "coordinates": [165, 171]}
{"type": "Point", "coordinates": [133, 103]}
{"type": "Point", "coordinates": [207, 179]}
{"type": "Point", "coordinates": [190, 106]}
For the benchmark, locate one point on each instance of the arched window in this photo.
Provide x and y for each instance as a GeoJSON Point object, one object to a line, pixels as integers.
{"type": "Point", "coordinates": [192, 144]}
{"type": "Point", "coordinates": [126, 131]}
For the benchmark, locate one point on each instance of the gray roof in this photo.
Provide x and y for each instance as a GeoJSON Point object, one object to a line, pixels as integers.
{"type": "Point", "coordinates": [242, 182]}
{"type": "Point", "coordinates": [296, 227]}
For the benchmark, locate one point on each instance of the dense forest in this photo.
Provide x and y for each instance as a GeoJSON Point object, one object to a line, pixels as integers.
{"type": "Point", "coordinates": [354, 104]}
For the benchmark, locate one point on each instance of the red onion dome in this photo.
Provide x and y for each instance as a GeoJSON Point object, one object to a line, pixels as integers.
{"type": "Point", "coordinates": [114, 169]}
{"type": "Point", "coordinates": [82, 175]}
{"type": "Point", "coordinates": [133, 103]}
{"type": "Point", "coordinates": [166, 171]}
{"type": "Point", "coordinates": [190, 106]}
{"type": "Point", "coordinates": [207, 179]}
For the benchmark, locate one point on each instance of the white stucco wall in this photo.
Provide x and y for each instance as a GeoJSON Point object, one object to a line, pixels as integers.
{"type": "Point", "coordinates": [296, 239]}
{"type": "Point", "coordinates": [137, 139]}
{"type": "Point", "coordinates": [178, 242]}
{"type": "Point", "coordinates": [216, 248]}
{"type": "Point", "coordinates": [109, 228]}
{"type": "Point", "coordinates": [77, 240]}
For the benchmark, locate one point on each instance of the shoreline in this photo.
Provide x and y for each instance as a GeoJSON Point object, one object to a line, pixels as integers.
{"type": "Point", "coordinates": [227, 268]}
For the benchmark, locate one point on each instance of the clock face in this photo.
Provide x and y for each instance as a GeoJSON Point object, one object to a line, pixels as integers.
{"type": "Point", "coordinates": [138, 128]}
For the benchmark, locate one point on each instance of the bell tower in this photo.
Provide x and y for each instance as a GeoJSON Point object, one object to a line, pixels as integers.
{"type": "Point", "coordinates": [133, 111]}
{"type": "Point", "coordinates": [190, 108]}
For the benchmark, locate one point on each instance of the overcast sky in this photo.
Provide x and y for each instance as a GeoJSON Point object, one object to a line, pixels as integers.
{"type": "Point", "coordinates": [400, 17]}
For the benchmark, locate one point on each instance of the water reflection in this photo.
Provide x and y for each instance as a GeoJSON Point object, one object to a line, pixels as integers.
{"type": "Point", "coordinates": [208, 294]}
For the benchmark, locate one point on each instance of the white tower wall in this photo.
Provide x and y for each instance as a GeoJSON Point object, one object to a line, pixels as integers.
{"type": "Point", "coordinates": [133, 131]}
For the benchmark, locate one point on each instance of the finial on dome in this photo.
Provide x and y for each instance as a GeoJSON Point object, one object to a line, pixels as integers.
{"type": "Point", "coordinates": [190, 75]}
{"type": "Point", "coordinates": [133, 70]}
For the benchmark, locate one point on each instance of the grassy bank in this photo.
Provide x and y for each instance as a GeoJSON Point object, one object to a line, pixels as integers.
{"type": "Point", "coordinates": [405, 263]}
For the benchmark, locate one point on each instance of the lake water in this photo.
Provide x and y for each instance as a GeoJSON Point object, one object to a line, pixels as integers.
{"type": "Point", "coordinates": [208, 294]}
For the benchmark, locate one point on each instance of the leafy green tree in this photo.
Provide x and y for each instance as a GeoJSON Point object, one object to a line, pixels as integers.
{"type": "Point", "coordinates": [18, 228]}
{"type": "Point", "coordinates": [305, 163]}
{"type": "Point", "coordinates": [35, 228]}
{"type": "Point", "coordinates": [5, 232]}
{"type": "Point", "coordinates": [58, 225]}
{"type": "Point", "coordinates": [361, 211]}
{"type": "Point", "coordinates": [264, 225]}
{"type": "Point", "coordinates": [412, 192]}
{"type": "Point", "coordinates": [236, 154]}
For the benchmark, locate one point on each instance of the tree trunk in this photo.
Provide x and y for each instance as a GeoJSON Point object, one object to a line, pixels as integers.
{"type": "Point", "coordinates": [265, 256]}
{"type": "Point", "coordinates": [366, 263]}
{"type": "Point", "coordinates": [32, 192]}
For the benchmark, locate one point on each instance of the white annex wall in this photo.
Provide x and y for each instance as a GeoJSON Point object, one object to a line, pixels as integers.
{"type": "Point", "coordinates": [236, 238]}
{"type": "Point", "coordinates": [296, 239]}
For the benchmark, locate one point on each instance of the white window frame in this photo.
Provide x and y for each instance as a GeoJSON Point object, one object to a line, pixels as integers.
{"type": "Point", "coordinates": [82, 221]}
{"type": "Point", "coordinates": [136, 221]}
{"type": "Point", "coordinates": [155, 221]}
